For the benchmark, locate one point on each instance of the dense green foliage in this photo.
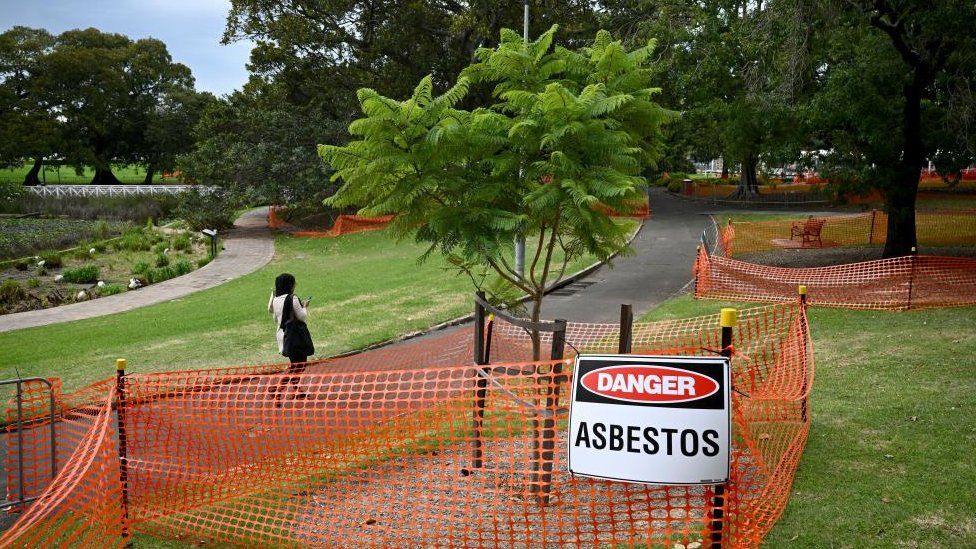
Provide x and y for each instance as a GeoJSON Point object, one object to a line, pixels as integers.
{"type": "Point", "coordinates": [567, 135]}
{"type": "Point", "coordinates": [93, 99]}
{"type": "Point", "coordinates": [85, 274]}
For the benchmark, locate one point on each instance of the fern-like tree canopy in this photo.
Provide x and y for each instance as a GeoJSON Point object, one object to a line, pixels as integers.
{"type": "Point", "coordinates": [564, 141]}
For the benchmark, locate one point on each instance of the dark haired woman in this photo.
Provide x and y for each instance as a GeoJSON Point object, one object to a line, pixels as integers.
{"type": "Point", "coordinates": [285, 306]}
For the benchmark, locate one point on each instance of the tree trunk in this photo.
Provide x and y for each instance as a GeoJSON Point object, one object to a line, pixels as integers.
{"type": "Point", "coordinates": [900, 194]}
{"type": "Point", "coordinates": [104, 176]}
{"type": "Point", "coordinates": [31, 178]}
{"type": "Point", "coordinates": [725, 170]}
{"type": "Point", "coordinates": [748, 182]}
{"type": "Point", "coordinates": [536, 313]}
{"type": "Point", "coordinates": [150, 170]}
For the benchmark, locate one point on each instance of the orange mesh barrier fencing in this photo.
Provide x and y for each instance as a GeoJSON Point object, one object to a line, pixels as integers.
{"type": "Point", "coordinates": [81, 507]}
{"type": "Point", "coordinates": [639, 209]}
{"type": "Point", "coordinates": [348, 224]}
{"type": "Point", "coordinates": [933, 228]}
{"type": "Point", "coordinates": [909, 282]}
{"type": "Point", "coordinates": [275, 221]}
{"type": "Point", "coordinates": [376, 448]}
{"type": "Point", "coordinates": [344, 224]}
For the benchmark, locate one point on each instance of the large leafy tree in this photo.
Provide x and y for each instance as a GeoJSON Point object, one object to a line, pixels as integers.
{"type": "Point", "coordinates": [567, 134]}
{"type": "Point", "coordinates": [736, 69]}
{"type": "Point", "coordinates": [333, 47]}
{"type": "Point", "coordinates": [28, 126]}
{"type": "Point", "coordinates": [895, 90]}
{"type": "Point", "coordinates": [256, 141]}
{"type": "Point", "coordinates": [169, 131]}
{"type": "Point", "coordinates": [105, 90]}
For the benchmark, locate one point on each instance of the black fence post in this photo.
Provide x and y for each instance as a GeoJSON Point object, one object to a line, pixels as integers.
{"type": "Point", "coordinates": [911, 276]}
{"type": "Point", "coordinates": [545, 441]}
{"type": "Point", "coordinates": [123, 449]}
{"type": "Point", "coordinates": [481, 384]}
{"type": "Point", "coordinates": [626, 329]}
{"type": "Point", "coordinates": [874, 215]}
{"type": "Point", "coordinates": [727, 321]}
{"type": "Point", "coordinates": [804, 406]}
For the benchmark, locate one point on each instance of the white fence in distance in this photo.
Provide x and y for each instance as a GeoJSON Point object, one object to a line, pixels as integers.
{"type": "Point", "coordinates": [70, 191]}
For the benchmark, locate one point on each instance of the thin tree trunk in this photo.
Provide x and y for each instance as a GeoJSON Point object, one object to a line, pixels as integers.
{"type": "Point", "coordinates": [536, 314]}
{"type": "Point", "coordinates": [31, 178]}
{"type": "Point", "coordinates": [150, 170]}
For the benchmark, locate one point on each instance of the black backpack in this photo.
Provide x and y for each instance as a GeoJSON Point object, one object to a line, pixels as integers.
{"type": "Point", "coordinates": [297, 340]}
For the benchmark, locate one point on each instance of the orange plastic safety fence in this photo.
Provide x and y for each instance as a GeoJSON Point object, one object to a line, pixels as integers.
{"type": "Point", "coordinates": [81, 507]}
{"type": "Point", "coordinates": [275, 221]}
{"type": "Point", "coordinates": [639, 208]}
{"type": "Point", "coordinates": [378, 448]}
{"type": "Point", "coordinates": [909, 282]}
{"type": "Point", "coordinates": [344, 224]}
{"type": "Point", "coordinates": [348, 224]}
{"type": "Point", "coordinates": [933, 228]}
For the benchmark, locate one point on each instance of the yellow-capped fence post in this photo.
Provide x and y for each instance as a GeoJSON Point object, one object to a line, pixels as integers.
{"type": "Point", "coordinates": [728, 318]}
{"type": "Point", "coordinates": [802, 291]}
{"type": "Point", "coordinates": [120, 365]}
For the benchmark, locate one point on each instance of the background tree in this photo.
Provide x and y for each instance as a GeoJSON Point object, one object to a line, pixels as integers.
{"type": "Point", "coordinates": [736, 70]}
{"type": "Point", "coordinates": [895, 89]}
{"type": "Point", "coordinates": [28, 127]}
{"type": "Point", "coordinates": [568, 133]}
{"type": "Point", "coordinates": [255, 140]}
{"type": "Point", "coordinates": [170, 129]}
{"type": "Point", "coordinates": [105, 89]}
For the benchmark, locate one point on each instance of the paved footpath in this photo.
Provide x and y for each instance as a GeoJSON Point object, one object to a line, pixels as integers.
{"type": "Point", "coordinates": [661, 268]}
{"type": "Point", "coordinates": [247, 248]}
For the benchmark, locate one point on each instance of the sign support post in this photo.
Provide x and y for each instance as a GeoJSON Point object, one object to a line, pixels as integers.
{"type": "Point", "coordinates": [727, 321]}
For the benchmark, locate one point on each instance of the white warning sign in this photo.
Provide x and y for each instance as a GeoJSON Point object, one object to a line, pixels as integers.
{"type": "Point", "coordinates": [650, 419]}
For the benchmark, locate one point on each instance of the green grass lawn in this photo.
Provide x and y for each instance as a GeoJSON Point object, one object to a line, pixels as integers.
{"type": "Point", "coordinates": [366, 289]}
{"type": "Point", "coordinates": [889, 459]}
{"type": "Point", "coordinates": [65, 175]}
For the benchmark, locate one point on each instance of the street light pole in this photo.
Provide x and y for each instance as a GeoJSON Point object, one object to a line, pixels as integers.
{"type": "Point", "coordinates": [520, 239]}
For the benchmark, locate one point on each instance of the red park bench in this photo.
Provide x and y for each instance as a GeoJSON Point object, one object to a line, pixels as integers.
{"type": "Point", "coordinates": [808, 231]}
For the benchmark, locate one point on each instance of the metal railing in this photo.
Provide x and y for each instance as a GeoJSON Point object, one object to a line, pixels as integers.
{"type": "Point", "coordinates": [19, 430]}
{"type": "Point", "coordinates": [85, 191]}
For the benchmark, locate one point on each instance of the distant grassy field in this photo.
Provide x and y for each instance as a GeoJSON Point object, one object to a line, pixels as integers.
{"type": "Point", "coordinates": [64, 175]}
{"type": "Point", "coordinates": [888, 462]}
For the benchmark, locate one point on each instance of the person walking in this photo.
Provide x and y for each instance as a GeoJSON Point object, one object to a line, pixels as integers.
{"type": "Point", "coordinates": [294, 341]}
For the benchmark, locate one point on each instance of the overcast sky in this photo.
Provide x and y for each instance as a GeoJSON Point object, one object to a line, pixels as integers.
{"type": "Point", "coordinates": [191, 30]}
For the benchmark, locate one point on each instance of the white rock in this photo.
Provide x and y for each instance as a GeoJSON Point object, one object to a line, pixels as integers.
{"type": "Point", "coordinates": [40, 263]}
{"type": "Point", "coordinates": [134, 283]}
{"type": "Point", "coordinates": [166, 251]}
{"type": "Point", "coordinates": [81, 296]}
{"type": "Point", "coordinates": [101, 283]}
{"type": "Point", "coordinates": [91, 251]}
{"type": "Point", "coordinates": [59, 278]}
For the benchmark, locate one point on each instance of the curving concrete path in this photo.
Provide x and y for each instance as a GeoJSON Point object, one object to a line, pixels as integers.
{"type": "Point", "coordinates": [664, 250]}
{"type": "Point", "coordinates": [247, 248]}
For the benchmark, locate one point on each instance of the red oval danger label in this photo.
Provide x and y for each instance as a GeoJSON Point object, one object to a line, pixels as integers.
{"type": "Point", "coordinates": [648, 384]}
